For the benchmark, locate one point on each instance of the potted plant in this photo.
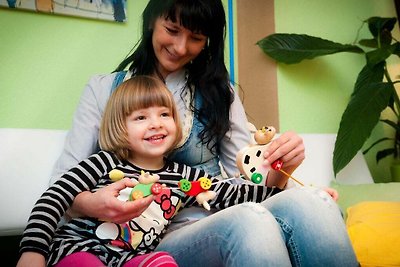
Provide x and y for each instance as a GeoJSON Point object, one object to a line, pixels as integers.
{"type": "Point", "coordinates": [373, 91]}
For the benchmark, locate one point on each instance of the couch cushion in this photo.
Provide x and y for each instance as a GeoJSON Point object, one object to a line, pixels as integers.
{"type": "Point", "coordinates": [350, 195]}
{"type": "Point", "coordinates": [26, 159]}
{"type": "Point", "coordinates": [374, 230]}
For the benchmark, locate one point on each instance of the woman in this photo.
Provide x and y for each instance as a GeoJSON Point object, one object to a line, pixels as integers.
{"type": "Point", "coordinates": [183, 45]}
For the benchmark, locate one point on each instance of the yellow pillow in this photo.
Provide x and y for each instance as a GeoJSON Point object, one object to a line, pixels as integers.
{"type": "Point", "coordinates": [374, 230]}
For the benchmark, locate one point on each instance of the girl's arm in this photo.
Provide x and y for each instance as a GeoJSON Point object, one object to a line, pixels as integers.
{"type": "Point", "coordinates": [54, 202]}
{"type": "Point", "coordinates": [29, 259]}
{"type": "Point", "coordinates": [228, 194]}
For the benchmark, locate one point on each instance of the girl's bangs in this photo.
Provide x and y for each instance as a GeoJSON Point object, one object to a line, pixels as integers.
{"type": "Point", "coordinates": [146, 98]}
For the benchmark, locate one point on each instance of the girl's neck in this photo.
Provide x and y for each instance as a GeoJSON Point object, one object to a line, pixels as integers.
{"type": "Point", "coordinates": [148, 163]}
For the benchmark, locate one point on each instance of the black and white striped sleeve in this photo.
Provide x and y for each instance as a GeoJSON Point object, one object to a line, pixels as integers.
{"type": "Point", "coordinates": [54, 202]}
{"type": "Point", "coordinates": [229, 194]}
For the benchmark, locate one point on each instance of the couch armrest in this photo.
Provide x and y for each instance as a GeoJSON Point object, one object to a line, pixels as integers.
{"type": "Point", "coordinates": [26, 159]}
{"type": "Point", "coordinates": [317, 167]}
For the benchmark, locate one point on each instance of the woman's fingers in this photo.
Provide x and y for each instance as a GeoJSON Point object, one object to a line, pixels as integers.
{"type": "Point", "coordinates": [288, 147]}
{"type": "Point", "coordinates": [106, 205]}
{"type": "Point", "coordinates": [128, 210]}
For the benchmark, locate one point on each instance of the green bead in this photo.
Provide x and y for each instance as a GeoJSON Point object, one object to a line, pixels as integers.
{"type": "Point", "coordinates": [256, 177]}
{"type": "Point", "coordinates": [185, 185]}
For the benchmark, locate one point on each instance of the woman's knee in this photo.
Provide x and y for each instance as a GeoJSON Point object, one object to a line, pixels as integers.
{"type": "Point", "coordinates": [306, 201]}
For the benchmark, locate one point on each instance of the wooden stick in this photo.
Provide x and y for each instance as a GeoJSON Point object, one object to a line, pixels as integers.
{"type": "Point", "coordinates": [287, 174]}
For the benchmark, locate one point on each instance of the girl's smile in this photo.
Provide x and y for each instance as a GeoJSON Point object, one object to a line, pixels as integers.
{"type": "Point", "coordinates": [151, 134]}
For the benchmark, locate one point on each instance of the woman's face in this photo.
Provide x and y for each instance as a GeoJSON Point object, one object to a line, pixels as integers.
{"type": "Point", "coordinates": [174, 45]}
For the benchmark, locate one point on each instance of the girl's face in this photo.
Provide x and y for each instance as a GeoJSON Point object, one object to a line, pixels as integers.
{"type": "Point", "coordinates": [174, 45]}
{"type": "Point", "coordinates": [151, 133]}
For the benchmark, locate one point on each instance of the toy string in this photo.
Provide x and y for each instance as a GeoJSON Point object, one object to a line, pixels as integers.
{"type": "Point", "coordinates": [294, 179]}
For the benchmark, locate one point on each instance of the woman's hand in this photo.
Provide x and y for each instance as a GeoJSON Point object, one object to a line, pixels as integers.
{"type": "Point", "coordinates": [289, 148]}
{"type": "Point", "coordinates": [103, 204]}
{"type": "Point", "coordinates": [29, 258]}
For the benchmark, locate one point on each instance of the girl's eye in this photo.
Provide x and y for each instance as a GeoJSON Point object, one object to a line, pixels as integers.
{"type": "Point", "coordinates": [165, 114]}
{"type": "Point", "coordinates": [140, 118]}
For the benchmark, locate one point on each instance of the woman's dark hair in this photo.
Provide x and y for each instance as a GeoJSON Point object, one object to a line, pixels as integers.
{"type": "Point", "coordinates": [207, 72]}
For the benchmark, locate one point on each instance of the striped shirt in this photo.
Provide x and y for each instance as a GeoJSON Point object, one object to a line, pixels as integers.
{"type": "Point", "coordinates": [113, 243]}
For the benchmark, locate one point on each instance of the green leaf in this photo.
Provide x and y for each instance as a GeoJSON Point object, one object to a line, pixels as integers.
{"type": "Point", "coordinates": [368, 75]}
{"type": "Point", "coordinates": [396, 50]}
{"type": "Point", "coordinates": [360, 117]}
{"type": "Point", "coordinates": [293, 48]}
{"type": "Point", "coordinates": [379, 55]}
{"type": "Point", "coordinates": [369, 43]}
{"type": "Point", "coordinates": [392, 124]}
{"type": "Point", "coordinates": [384, 153]}
{"type": "Point", "coordinates": [377, 25]}
{"type": "Point", "coordinates": [377, 142]}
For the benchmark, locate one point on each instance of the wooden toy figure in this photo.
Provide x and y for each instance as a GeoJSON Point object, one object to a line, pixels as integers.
{"type": "Point", "coordinates": [249, 160]}
{"type": "Point", "coordinates": [199, 189]}
{"type": "Point", "coordinates": [147, 185]}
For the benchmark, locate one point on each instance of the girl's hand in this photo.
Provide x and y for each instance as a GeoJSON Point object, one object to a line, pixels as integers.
{"type": "Point", "coordinates": [289, 148]}
{"type": "Point", "coordinates": [332, 192]}
{"type": "Point", "coordinates": [103, 204]}
{"type": "Point", "coordinates": [29, 258]}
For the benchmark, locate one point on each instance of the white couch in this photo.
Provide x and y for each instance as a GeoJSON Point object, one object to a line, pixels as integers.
{"type": "Point", "coordinates": [27, 157]}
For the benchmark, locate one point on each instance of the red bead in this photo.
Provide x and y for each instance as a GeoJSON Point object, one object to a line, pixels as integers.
{"type": "Point", "coordinates": [195, 189]}
{"type": "Point", "coordinates": [156, 188]}
{"type": "Point", "coordinates": [277, 165]}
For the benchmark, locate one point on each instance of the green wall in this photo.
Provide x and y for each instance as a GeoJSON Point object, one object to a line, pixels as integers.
{"type": "Point", "coordinates": [314, 94]}
{"type": "Point", "coordinates": [47, 59]}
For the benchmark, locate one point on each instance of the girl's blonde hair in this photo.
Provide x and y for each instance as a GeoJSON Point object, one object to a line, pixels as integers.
{"type": "Point", "coordinates": [138, 92]}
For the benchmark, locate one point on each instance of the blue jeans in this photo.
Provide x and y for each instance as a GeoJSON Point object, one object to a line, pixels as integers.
{"type": "Point", "coordinates": [297, 227]}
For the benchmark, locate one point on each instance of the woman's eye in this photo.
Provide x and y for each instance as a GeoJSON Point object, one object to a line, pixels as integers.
{"type": "Point", "coordinates": [198, 38]}
{"type": "Point", "coordinates": [171, 30]}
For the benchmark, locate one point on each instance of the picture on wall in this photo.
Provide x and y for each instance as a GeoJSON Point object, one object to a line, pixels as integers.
{"type": "Point", "coordinates": [112, 10]}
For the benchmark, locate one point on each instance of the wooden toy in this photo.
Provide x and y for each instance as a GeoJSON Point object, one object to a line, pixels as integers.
{"type": "Point", "coordinates": [199, 189]}
{"type": "Point", "coordinates": [250, 159]}
{"type": "Point", "coordinates": [147, 185]}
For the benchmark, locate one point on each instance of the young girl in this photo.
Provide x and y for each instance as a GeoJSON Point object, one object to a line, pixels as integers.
{"type": "Point", "coordinates": [139, 127]}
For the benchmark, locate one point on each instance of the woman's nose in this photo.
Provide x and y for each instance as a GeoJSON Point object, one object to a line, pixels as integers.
{"type": "Point", "coordinates": [181, 45]}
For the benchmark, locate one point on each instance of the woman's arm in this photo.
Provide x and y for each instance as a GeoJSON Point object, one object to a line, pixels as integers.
{"type": "Point", "coordinates": [112, 209]}
{"type": "Point", "coordinates": [235, 139]}
{"type": "Point", "coordinates": [82, 138]}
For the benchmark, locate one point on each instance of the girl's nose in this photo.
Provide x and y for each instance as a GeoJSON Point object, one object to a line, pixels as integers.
{"type": "Point", "coordinates": [155, 123]}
